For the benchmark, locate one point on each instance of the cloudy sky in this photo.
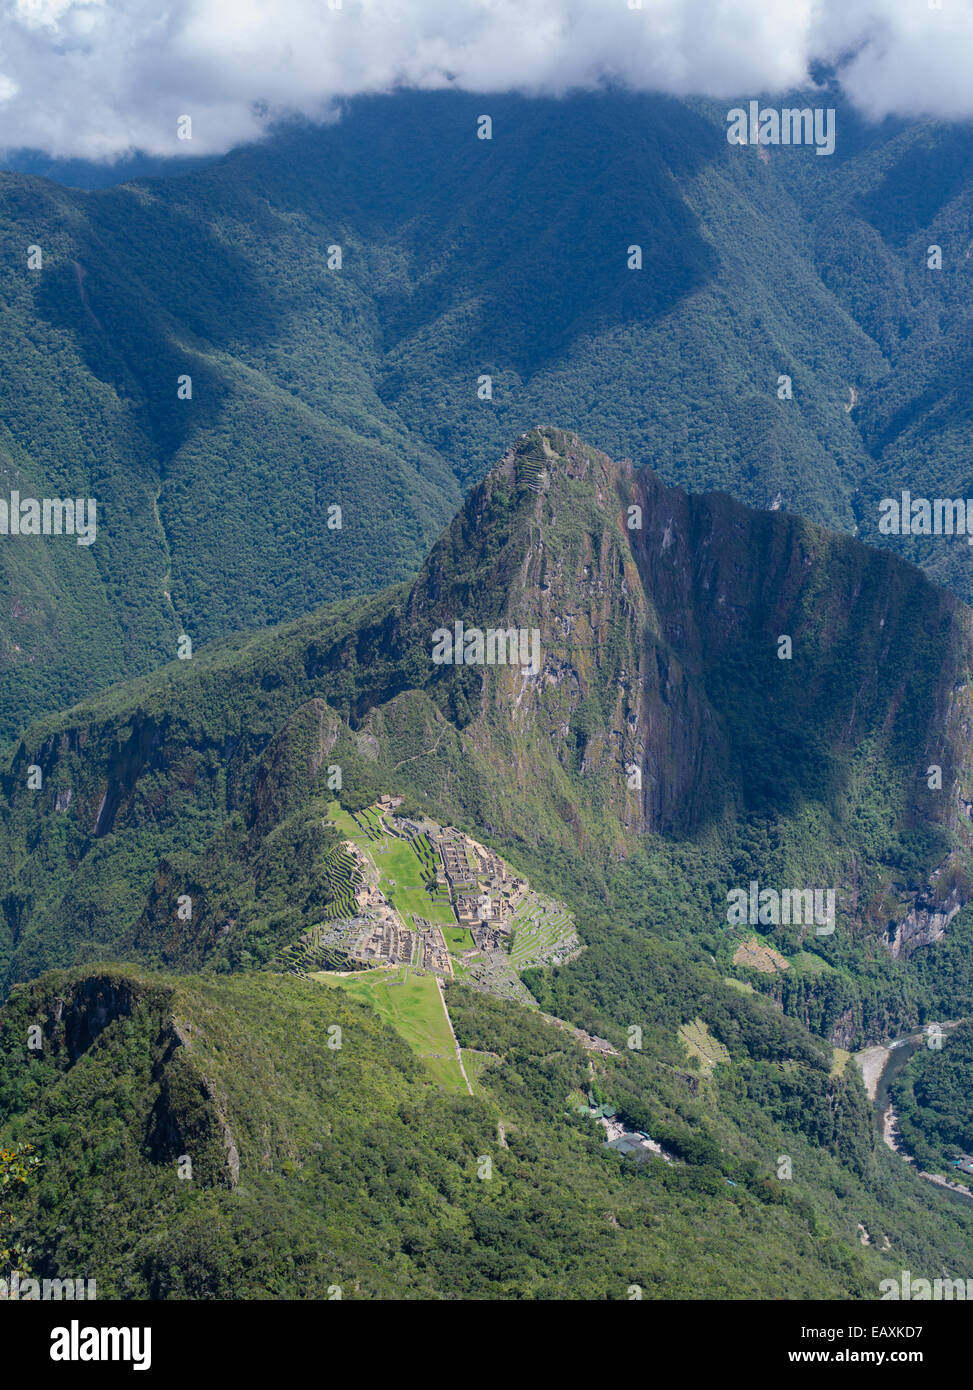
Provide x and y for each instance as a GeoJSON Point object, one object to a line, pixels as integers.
{"type": "Point", "coordinates": [99, 79]}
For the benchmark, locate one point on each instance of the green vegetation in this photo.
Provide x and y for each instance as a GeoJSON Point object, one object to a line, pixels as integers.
{"type": "Point", "coordinates": [17, 1167]}
{"type": "Point", "coordinates": [540, 927]}
{"type": "Point", "coordinates": [355, 387]}
{"type": "Point", "coordinates": [403, 880]}
{"type": "Point", "coordinates": [316, 1166]}
{"type": "Point", "coordinates": [704, 1051]}
{"type": "Point", "coordinates": [209, 781]}
{"type": "Point", "coordinates": [405, 867]}
{"type": "Point", "coordinates": [411, 1003]}
{"type": "Point", "coordinates": [458, 939]}
{"type": "Point", "coordinates": [933, 1103]}
{"type": "Point", "coordinates": [839, 1061]}
{"type": "Point", "coordinates": [342, 878]}
{"type": "Point", "coordinates": [474, 1064]}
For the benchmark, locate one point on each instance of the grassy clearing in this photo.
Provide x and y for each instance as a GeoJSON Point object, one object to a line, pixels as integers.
{"type": "Point", "coordinates": [411, 1003]}
{"type": "Point", "coordinates": [839, 1060]}
{"type": "Point", "coordinates": [810, 964]}
{"type": "Point", "coordinates": [402, 872]}
{"type": "Point", "coordinates": [402, 882]}
{"type": "Point", "coordinates": [458, 939]}
{"type": "Point", "coordinates": [345, 826]}
{"type": "Point", "coordinates": [475, 1064]}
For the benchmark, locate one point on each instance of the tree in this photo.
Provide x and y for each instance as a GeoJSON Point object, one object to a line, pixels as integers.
{"type": "Point", "coordinates": [16, 1166]}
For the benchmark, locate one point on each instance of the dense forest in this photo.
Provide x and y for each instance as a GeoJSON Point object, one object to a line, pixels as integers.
{"type": "Point", "coordinates": [316, 1169]}
{"type": "Point", "coordinates": [933, 1103]}
{"type": "Point", "coordinates": [314, 386]}
{"type": "Point", "coordinates": [334, 392]}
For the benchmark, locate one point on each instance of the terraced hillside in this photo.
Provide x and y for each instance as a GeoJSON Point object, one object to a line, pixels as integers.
{"type": "Point", "coordinates": [342, 877]}
{"type": "Point", "coordinates": [543, 933]}
{"type": "Point", "coordinates": [413, 883]}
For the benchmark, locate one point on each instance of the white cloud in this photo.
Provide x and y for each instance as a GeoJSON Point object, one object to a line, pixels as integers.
{"type": "Point", "coordinates": [103, 78]}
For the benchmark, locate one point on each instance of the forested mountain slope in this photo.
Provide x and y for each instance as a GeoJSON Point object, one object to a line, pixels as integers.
{"type": "Point", "coordinates": [360, 387]}
{"type": "Point", "coordinates": [654, 622]}
{"type": "Point", "coordinates": [665, 749]}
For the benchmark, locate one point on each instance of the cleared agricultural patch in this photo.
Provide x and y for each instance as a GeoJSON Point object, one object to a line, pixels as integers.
{"type": "Point", "coordinates": [809, 964]}
{"type": "Point", "coordinates": [742, 986]}
{"type": "Point", "coordinates": [755, 954]}
{"type": "Point", "coordinates": [839, 1060]}
{"type": "Point", "coordinates": [705, 1050]}
{"type": "Point", "coordinates": [343, 877]}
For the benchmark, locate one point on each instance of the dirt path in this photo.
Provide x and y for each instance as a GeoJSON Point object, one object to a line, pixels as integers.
{"type": "Point", "coordinates": [426, 753]}
{"type": "Point", "coordinates": [459, 1053]}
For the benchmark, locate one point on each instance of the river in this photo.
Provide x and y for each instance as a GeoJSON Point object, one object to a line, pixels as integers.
{"type": "Point", "coordinates": [880, 1066]}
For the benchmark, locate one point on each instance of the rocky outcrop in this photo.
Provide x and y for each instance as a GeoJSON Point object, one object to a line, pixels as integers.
{"type": "Point", "coordinates": [659, 614]}
{"type": "Point", "coordinates": [76, 1017]}
{"type": "Point", "coordinates": [925, 921]}
{"type": "Point", "coordinates": [289, 764]}
{"type": "Point", "coordinates": [189, 1122]}
{"type": "Point", "coordinates": [844, 1030]}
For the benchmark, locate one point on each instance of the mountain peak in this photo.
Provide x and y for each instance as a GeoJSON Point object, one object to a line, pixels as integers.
{"type": "Point", "coordinates": [657, 615]}
{"type": "Point", "coordinates": [548, 451]}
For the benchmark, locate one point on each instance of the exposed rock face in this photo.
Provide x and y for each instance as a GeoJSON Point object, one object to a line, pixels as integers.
{"type": "Point", "coordinates": [925, 922]}
{"type": "Point", "coordinates": [612, 693]}
{"type": "Point", "coordinates": [656, 611]}
{"type": "Point", "coordinates": [189, 1117]}
{"type": "Point", "coordinates": [659, 705]}
{"type": "Point", "coordinates": [78, 1017]}
{"type": "Point", "coordinates": [844, 1030]}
